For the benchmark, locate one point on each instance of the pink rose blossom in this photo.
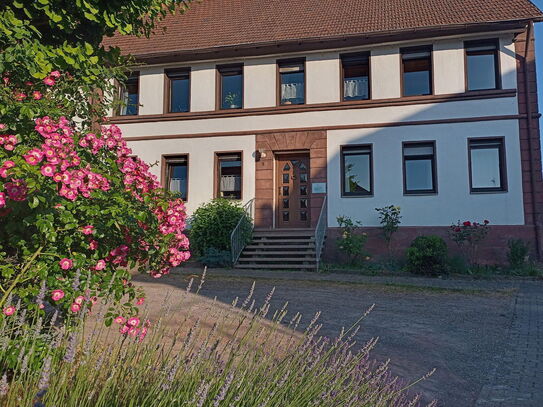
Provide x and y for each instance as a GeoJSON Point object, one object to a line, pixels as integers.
{"type": "Point", "coordinates": [88, 230]}
{"type": "Point", "coordinates": [47, 170]}
{"type": "Point", "coordinates": [100, 265]}
{"type": "Point", "coordinates": [2, 199]}
{"type": "Point", "coordinates": [124, 329]}
{"type": "Point", "coordinates": [133, 322]}
{"type": "Point", "coordinates": [9, 310]}
{"type": "Point", "coordinates": [16, 190]}
{"type": "Point", "coordinates": [119, 320]}
{"type": "Point", "coordinates": [79, 300]}
{"type": "Point", "coordinates": [140, 301]}
{"type": "Point", "coordinates": [93, 245]}
{"type": "Point", "coordinates": [3, 126]}
{"type": "Point", "coordinates": [37, 95]}
{"type": "Point", "coordinates": [49, 81]}
{"type": "Point", "coordinates": [75, 307]}
{"type": "Point", "coordinates": [57, 295]}
{"type": "Point", "coordinates": [66, 264]}
{"type": "Point", "coordinates": [55, 74]}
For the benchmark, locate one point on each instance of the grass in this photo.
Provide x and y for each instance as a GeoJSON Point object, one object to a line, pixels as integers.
{"type": "Point", "coordinates": [209, 355]}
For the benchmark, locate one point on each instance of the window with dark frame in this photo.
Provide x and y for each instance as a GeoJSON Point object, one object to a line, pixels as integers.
{"type": "Point", "coordinates": [129, 95]}
{"type": "Point", "coordinates": [178, 90]}
{"type": "Point", "coordinates": [482, 64]}
{"type": "Point", "coordinates": [231, 86]}
{"type": "Point", "coordinates": [356, 76]}
{"type": "Point", "coordinates": [417, 71]}
{"type": "Point", "coordinates": [487, 165]}
{"type": "Point", "coordinates": [419, 166]}
{"type": "Point", "coordinates": [357, 170]}
{"type": "Point", "coordinates": [177, 175]}
{"type": "Point", "coordinates": [229, 175]}
{"type": "Point", "coordinates": [292, 82]}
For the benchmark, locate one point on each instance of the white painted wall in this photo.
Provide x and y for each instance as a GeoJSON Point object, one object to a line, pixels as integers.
{"type": "Point", "coordinates": [322, 78]}
{"type": "Point", "coordinates": [449, 72]}
{"type": "Point", "coordinates": [508, 62]}
{"type": "Point", "coordinates": [453, 201]}
{"type": "Point", "coordinates": [459, 109]}
{"type": "Point", "coordinates": [260, 83]}
{"type": "Point", "coordinates": [151, 91]}
{"type": "Point", "coordinates": [385, 73]}
{"type": "Point", "coordinates": [201, 153]}
{"type": "Point", "coordinates": [202, 87]}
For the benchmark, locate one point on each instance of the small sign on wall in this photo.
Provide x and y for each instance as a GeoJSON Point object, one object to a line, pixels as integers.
{"type": "Point", "coordinates": [318, 187]}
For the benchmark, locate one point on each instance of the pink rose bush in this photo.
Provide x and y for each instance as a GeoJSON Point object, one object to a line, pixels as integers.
{"type": "Point", "coordinates": [77, 209]}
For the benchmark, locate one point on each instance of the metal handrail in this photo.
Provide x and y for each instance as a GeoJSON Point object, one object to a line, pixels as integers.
{"type": "Point", "coordinates": [237, 244]}
{"type": "Point", "coordinates": [320, 231]}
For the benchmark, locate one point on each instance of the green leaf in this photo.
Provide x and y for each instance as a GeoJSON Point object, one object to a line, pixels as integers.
{"type": "Point", "coordinates": [34, 202]}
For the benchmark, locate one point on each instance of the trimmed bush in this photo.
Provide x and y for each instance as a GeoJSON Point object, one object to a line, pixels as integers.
{"type": "Point", "coordinates": [427, 255]}
{"type": "Point", "coordinates": [518, 253]}
{"type": "Point", "coordinates": [213, 223]}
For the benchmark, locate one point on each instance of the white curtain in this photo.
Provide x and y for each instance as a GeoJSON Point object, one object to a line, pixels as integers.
{"type": "Point", "coordinates": [175, 185]}
{"type": "Point", "coordinates": [230, 183]}
{"type": "Point", "coordinates": [292, 91]}
{"type": "Point", "coordinates": [355, 88]}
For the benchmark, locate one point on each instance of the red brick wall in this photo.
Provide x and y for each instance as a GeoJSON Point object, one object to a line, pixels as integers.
{"type": "Point", "coordinates": [313, 142]}
{"type": "Point", "coordinates": [529, 141]}
{"type": "Point", "coordinates": [493, 250]}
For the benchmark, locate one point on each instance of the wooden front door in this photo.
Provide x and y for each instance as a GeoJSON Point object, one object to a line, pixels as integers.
{"type": "Point", "coordinates": [292, 191]}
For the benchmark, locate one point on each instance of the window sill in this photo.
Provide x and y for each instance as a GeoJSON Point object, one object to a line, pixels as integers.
{"type": "Point", "coordinates": [358, 196]}
{"type": "Point", "coordinates": [420, 193]}
{"type": "Point", "coordinates": [500, 191]}
{"type": "Point", "coordinates": [315, 107]}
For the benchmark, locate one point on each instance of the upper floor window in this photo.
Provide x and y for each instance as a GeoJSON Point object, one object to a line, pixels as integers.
{"type": "Point", "coordinates": [487, 165]}
{"type": "Point", "coordinates": [419, 166]}
{"type": "Point", "coordinates": [356, 76]}
{"type": "Point", "coordinates": [292, 82]}
{"type": "Point", "coordinates": [482, 65]}
{"type": "Point", "coordinates": [417, 71]}
{"type": "Point", "coordinates": [178, 90]}
{"type": "Point", "coordinates": [176, 179]}
{"type": "Point", "coordinates": [229, 175]}
{"type": "Point", "coordinates": [129, 95]}
{"type": "Point", "coordinates": [357, 171]}
{"type": "Point", "coordinates": [231, 86]}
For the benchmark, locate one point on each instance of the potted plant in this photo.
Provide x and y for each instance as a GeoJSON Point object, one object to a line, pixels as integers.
{"type": "Point", "coordinates": [232, 100]}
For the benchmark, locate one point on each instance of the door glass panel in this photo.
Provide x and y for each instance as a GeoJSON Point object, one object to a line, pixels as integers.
{"type": "Point", "coordinates": [303, 216]}
{"type": "Point", "coordinates": [285, 203]}
{"type": "Point", "coordinates": [286, 216]}
{"type": "Point", "coordinates": [303, 178]}
{"type": "Point", "coordinates": [286, 178]}
{"type": "Point", "coordinates": [285, 191]}
{"type": "Point", "coordinates": [303, 166]}
{"type": "Point", "coordinates": [286, 167]}
{"type": "Point", "coordinates": [303, 190]}
{"type": "Point", "coordinates": [303, 203]}
{"type": "Point", "coordinates": [294, 163]}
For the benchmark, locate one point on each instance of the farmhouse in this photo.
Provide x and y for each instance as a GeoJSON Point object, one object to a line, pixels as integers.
{"type": "Point", "coordinates": [312, 109]}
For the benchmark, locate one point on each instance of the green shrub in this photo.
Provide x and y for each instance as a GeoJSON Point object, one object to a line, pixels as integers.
{"type": "Point", "coordinates": [213, 223]}
{"type": "Point", "coordinates": [350, 242]}
{"type": "Point", "coordinates": [427, 255]}
{"type": "Point", "coordinates": [518, 253]}
{"type": "Point", "coordinates": [216, 258]}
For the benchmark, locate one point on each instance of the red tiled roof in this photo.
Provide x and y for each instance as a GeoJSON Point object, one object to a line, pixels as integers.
{"type": "Point", "coordinates": [218, 24]}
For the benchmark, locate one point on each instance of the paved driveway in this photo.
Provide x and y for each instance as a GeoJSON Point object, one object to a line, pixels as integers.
{"type": "Point", "coordinates": [461, 328]}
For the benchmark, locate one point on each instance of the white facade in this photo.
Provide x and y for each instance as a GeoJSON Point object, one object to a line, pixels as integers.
{"type": "Point", "coordinates": [453, 200]}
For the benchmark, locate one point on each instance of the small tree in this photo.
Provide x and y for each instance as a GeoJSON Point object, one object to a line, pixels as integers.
{"type": "Point", "coordinates": [468, 235]}
{"type": "Point", "coordinates": [390, 219]}
{"type": "Point", "coordinates": [351, 241]}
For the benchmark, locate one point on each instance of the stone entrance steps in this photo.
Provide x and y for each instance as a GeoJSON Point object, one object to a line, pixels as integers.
{"type": "Point", "coordinates": [287, 249]}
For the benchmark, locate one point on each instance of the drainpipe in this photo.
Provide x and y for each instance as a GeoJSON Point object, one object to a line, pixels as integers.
{"type": "Point", "coordinates": [533, 175]}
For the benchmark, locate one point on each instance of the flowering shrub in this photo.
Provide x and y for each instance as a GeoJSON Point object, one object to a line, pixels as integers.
{"type": "Point", "coordinates": [467, 235]}
{"type": "Point", "coordinates": [351, 241]}
{"type": "Point", "coordinates": [77, 210]}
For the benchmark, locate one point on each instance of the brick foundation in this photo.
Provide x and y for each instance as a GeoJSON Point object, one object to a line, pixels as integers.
{"type": "Point", "coordinates": [493, 250]}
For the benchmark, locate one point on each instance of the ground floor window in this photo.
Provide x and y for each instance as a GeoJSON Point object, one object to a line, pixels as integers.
{"type": "Point", "coordinates": [487, 165]}
{"type": "Point", "coordinates": [229, 179]}
{"type": "Point", "coordinates": [419, 168]}
{"type": "Point", "coordinates": [177, 175]}
{"type": "Point", "coordinates": [357, 171]}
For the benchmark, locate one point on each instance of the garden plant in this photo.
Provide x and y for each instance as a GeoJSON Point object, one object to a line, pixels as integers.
{"type": "Point", "coordinates": [351, 241]}
{"type": "Point", "coordinates": [390, 219]}
{"type": "Point", "coordinates": [468, 235]}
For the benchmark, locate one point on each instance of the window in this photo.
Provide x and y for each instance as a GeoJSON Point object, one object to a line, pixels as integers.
{"type": "Point", "coordinates": [419, 168]}
{"type": "Point", "coordinates": [487, 165]}
{"type": "Point", "coordinates": [176, 179]}
{"type": "Point", "coordinates": [178, 90]}
{"type": "Point", "coordinates": [482, 65]}
{"type": "Point", "coordinates": [357, 171]}
{"type": "Point", "coordinates": [356, 76]}
{"type": "Point", "coordinates": [231, 86]}
{"type": "Point", "coordinates": [292, 82]}
{"type": "Point", "coordinates": [417, 71]}
{"type": "Point", "coordinates": [129, 95]}
{"type": "Point", "coordinates": [229, 179]}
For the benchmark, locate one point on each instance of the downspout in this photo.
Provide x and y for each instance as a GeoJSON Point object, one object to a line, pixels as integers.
{"type": "Point", "coordinates": [533, 179]}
